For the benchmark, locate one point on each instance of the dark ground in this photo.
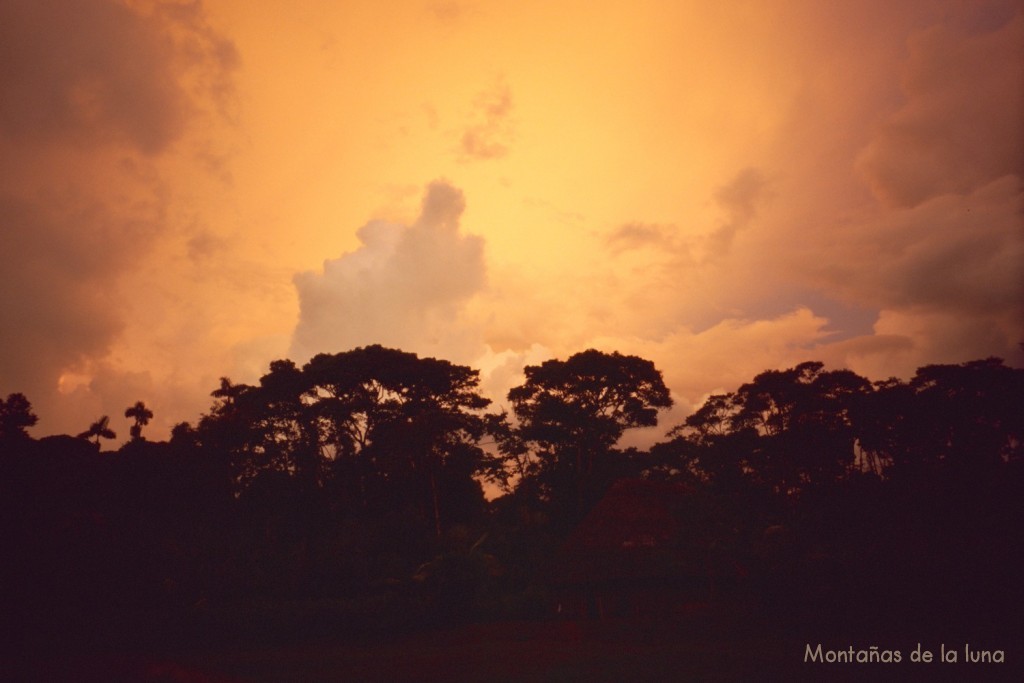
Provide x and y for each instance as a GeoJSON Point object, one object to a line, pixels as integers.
{"type": "Point", "coordinates": [531, 651]}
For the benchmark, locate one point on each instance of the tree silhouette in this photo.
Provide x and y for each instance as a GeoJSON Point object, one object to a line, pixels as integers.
{"type": "Point", "coordinates": [785, 430]}
{"type": "Point", "coordinates": [392, 416]}
{"type": "Point", "coordinates": [99, 429]}
{"type": "Point", "coordinates": [573, 412]}
{"type": "Point", "coordinates": [142, 416]}
{"type": "Point", "coordinates": [378, 427]}
{"type": "Point", "coordinates": [15, 417]}
{"type": "Point", "coordinates": [802, 417]}
{"type": "Point", "coordinates": [811, 498]}
{"type": "Point", "coordinates": [965, 415]}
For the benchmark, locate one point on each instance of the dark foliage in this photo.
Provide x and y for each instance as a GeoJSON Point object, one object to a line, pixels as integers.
{"type": "Point", "coordinates": [571, 414]}
{"type": "Point", "coordinates": [345, 497]}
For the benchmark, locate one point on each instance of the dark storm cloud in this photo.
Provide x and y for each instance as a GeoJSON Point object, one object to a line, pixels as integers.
{"type": "Point", "coordinates": [52, 285]}
{"type": "Point", "coordinates": [960, 126]}
{"type": "Point", "coordinates": [93, 93]}
{"type": "Point", "coordinates": [963, 255]}
{"type": "Point", "coordinates": [949, 166]}
{"type": "Point", "coordinates": [88, 71]}
{"type": "Point", "coordinates": [941, 255]}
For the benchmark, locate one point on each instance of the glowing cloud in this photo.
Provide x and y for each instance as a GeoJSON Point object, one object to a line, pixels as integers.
{"type": "Point", "coordinates": [404, 287]}
{"type": "Point", "coordinates": [490, 136]}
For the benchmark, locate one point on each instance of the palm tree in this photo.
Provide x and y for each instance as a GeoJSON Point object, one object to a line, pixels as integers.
{"type": "Point", "coordinates": [142, 415]}
{"type": "Point", "coordinates": [99, 428]}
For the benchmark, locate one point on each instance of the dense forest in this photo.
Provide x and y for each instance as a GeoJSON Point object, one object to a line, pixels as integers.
{"type": "Point", "coordinates": [346, 497]}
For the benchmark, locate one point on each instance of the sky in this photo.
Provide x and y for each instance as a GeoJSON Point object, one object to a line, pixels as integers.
{"type": "Point", "coordinates": [192, 189]}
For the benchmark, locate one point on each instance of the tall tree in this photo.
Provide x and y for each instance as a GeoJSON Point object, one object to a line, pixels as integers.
{"type": "Point", "coordinates": [783, 431]}
{"type": "Point", "coordinates": [573, 412]}
{"type": "Point", "coordinates": [375, 425]}
{"type": "Point", "coordinates": [262, 428]}
{"type": "Point", "coordinates": [802, 415]}
{"type": "Point", "coordinates": [965, 415]}
{"type": "Point", "coordinates": [385, 415]}
{"type": "Point", "coordinates": [16, 417]}
{"type": "Point", "coordinates": [142, 415]}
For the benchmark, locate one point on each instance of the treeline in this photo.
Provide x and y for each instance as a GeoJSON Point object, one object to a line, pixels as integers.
{"type": "Point", "coordinates": [354, 483]}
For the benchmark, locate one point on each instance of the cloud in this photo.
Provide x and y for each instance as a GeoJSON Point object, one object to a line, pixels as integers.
{"type": "Point", "coordinates": [448, 13]}
{"type": "Point", "coordinates": [739, 198]}
{"type": "Point", "coordinates": [87, 75]}
{"type": "Point", "coordinates": [97, 95]}
{"type": "Point", "coordinates": [721, 228]}
{"type": "Point", "coordinates": [908, 234]}
{"type": "Point", "coordinates": [205, 245]}
{"type": "Point", "coordinates": [877, 225]}
{"type": "Point", "coordinates": [490, 136]}
{"type": "Point", "coordinates": [405, 287]}
{"type": "Point", "coordinates": [942, 256]}
{"type": "Point", "coordinates": [960, 124]}
{"type": "Point", "coordinates": [903, 341]}
{"type": "Point", "coordinates": [958, 253]}
{"type": "Point", "coordinates": [719, 358]}
{"type": "Point", "coordinates": [662, 276]}
{"type": "Point", "coordinates": [637, 235]}
{"type": "Point", "coordinates": [99, 72]}
{"type": "Point", "coordinates": [59, 267]}
{"type": "Point", "coordinates": [942, 336]}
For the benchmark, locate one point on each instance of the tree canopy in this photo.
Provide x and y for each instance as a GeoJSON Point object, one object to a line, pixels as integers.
{"type": "Point", "coordinates": [368, 422]}
{"type": "Point", "coordinates": [16, 417]}
{"type": "Point", "coordinates": [572, 413]}
{"type": "Point", "coordinates": [359, 474]}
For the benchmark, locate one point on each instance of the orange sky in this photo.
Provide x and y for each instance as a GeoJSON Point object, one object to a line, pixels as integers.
{"type": "Point", "coordinates": [192, 190]}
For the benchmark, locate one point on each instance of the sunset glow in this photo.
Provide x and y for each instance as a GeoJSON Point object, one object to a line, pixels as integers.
{"type": "Point", "coordinates": [192, 190]}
